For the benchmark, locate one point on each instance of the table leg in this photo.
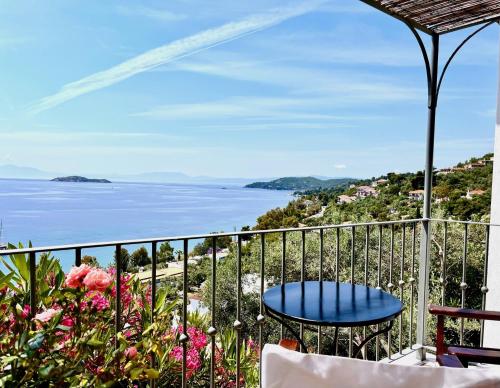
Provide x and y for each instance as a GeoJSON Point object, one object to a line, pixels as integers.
{"type": "Point", "coordinates": [335, 341]}
{"type": "Point", "coordinates": [371, 336]}
{"type": "Point", "coordinates": [294, 333]}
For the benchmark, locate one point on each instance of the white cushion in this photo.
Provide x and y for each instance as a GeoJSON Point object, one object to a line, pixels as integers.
{"type": "Point", "coordinates": [285, 368]}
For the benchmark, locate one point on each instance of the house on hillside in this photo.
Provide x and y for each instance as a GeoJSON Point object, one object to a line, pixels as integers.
{"type": "Point", "coordinates": [444, 171]}
{"type": "Point", "coordinates": [474, 193]}
{"type": "Point", "coordinates": [416, 195]}
{"type": "Point", "coordinates": [379, 182]}
{"type": "Point", "coordinates": [341, 199]}
{"type": "Point", "coordinates": [472, 166]}
{"type": "Point", "coordinates": [366, 191]}
{"type": "Point", "coordinates": [441, 200]}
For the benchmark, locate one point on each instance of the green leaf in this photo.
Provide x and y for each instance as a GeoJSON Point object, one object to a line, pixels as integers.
{"type": "Point", "coordinates": [135, 373]}
{"type": "Point", "coordinates": [152, 373]}
{"type": "Point", "coordinates": [45, 370]}
{"type": "Point", "coordinates": [95, 342]}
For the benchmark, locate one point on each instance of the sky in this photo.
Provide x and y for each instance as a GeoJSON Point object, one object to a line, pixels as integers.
{"type": "Point", "coordinates": [232, 89]}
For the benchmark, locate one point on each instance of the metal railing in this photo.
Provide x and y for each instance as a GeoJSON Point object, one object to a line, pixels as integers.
{"type": "Point", "coordinates": [379, 254]}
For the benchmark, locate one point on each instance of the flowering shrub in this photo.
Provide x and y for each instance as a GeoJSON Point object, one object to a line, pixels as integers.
{"type": "Point", "coordinates": [71, 340]}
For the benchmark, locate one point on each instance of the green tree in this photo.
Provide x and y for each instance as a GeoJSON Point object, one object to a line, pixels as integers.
{"type": "Point", "coordinates": [90, 260]}
{"type": "Point", "coordinates": [165, 253]}
{"type": "Point", "coordinates": [124, 258]}
{"type": "Point", "coordinates": [140, 257]}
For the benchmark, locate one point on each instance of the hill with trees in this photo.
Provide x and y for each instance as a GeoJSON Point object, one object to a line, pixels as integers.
{"type": "Point", "coordinates": [462, 192]}
{"type": "Point", "coordinates": [303, 183]}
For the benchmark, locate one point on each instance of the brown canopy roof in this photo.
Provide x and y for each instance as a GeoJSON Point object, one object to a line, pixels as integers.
{"type": "Point", "coordinates": [440, 16]}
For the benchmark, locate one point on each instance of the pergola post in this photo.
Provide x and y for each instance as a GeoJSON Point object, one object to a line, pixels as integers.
{"type": "Point", "coordinates": [423, 276]}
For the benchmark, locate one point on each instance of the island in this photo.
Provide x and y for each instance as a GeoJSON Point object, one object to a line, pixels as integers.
{"type": "Point", "coordinates": [76, 178]}
{"type": "Point", "coordinates": [302, 183]}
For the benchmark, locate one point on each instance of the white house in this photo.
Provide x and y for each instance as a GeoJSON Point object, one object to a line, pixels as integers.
{"type": "Point", "coordinates": [416, 195]}
{"type": "Point", "coordinates": [366, 191]}
{"type": "Point", "coordinates": [341, 199]}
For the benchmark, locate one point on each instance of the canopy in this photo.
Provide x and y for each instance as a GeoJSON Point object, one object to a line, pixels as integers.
{"type": "Point", "coordinates": [440, 16]}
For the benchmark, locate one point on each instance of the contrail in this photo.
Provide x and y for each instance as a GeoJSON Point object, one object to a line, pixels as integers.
{"type": "Point", "coordinates": [173, 51]}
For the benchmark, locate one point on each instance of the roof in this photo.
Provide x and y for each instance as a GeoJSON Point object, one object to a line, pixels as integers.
{"type": "Point", "coordinates": [417, 192]}
{"type": "Point", "coordinates": [366, 188]}
{"type": "Point", "coordinates": [440, 16]}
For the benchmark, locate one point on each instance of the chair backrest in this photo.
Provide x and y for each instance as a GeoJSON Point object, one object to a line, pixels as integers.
{"type": "Point", "coordinates": [285, 368]}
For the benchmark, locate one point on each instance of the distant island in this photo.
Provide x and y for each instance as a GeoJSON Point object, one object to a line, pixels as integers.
{"type": "Point", "coordinates": [76, 178]}
{"type": "Point", "coordinates": [302, 183]}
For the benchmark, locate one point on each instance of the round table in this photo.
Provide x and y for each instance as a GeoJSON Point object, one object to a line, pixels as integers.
{"type": "Point", "coordinates": [325, 303]}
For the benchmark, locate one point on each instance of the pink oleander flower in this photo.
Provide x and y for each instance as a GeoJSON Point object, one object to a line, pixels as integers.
{"type": "Point", "coordinates": [97, 300]}
{"type": "Point", "coordinates": [193, 360]}
{"type": "Point", "coordinates": [131, 352]}
{"type": "Point", "coordinates": [67, 321]}
{"type": "Point", "coordinates": [97, 280]}
{"type": "Point", "coordinates": [75, 277]}
{"type": "Point", "coordinates": [126, 295]}
{"type": "Point", "coordinates": [46, 316]}
{"type": "Point", "coordinates": [197, 337]}
{"type": "Point", "coordinates": [26, 311]}
{"type": "Point", "coordinates": [176, 353]}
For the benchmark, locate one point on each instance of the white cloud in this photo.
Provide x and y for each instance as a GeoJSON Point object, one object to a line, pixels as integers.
{"type": "Point", "coordinates": [340, 166]}
{"type": "Point", "coordinates": [257, 113]}
{"type": "Point", "coordinates": [174, 51]}
{"type": "Point", "coordinates": [152, 13]}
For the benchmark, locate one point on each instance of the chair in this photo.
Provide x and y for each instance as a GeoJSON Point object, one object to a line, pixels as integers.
{"type": "Point", "coordinates": [460, 356]}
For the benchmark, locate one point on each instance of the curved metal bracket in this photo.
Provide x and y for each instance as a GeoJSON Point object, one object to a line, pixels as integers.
{"type": "Point", "coordinates": [447, 64]}
{"type": "Point", "coordinates": [424, 54]}
{"type": "Point", "coordinates": [455, 52]}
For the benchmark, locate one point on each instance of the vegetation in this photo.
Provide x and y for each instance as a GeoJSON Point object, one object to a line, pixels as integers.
{"type": "Point", "coordinates": [76, 178]}
{"type": "Point", "coordinates": [69, 339]}
{"type": "Point", "coordinates": [302, 183]}
{"type": "Point", "coordinates": [393, 201]}
{"type": "Point", "coordinates": [385, 256]}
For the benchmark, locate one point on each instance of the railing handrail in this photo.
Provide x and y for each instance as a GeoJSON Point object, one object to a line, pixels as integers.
{"type": "Point", "coordinates": [56, 248]}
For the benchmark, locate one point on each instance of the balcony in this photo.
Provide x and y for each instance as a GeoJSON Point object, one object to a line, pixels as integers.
{"type": "Point", "coordinates": [387, 255]}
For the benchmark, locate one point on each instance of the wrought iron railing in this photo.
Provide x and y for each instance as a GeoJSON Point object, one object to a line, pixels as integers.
{"type": "Point", "coordinates": [385, 255]}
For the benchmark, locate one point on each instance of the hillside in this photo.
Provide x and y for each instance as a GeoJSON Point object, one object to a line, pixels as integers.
{"type": "Point", "coordinates": [461, 192]}
{"type": "Point", "coordinates": [302, 183]}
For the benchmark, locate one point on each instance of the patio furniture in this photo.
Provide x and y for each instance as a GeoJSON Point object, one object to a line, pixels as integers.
{"type": "Point", "coordinates": [459, 356]}
{"type": "Point", "coordinates": [286, 368]}
{"type": "Point", "coordinates": [331, 304]}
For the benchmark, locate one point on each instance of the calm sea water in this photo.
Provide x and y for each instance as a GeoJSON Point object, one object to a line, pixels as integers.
{"type": "Point", "coordinates": [53, 213]}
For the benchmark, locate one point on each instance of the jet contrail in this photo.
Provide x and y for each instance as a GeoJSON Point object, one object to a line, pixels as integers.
{"type": "Point", "coordinates": [173, 51]}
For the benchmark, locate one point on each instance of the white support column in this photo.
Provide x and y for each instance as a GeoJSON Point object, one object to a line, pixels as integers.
{"type": "Point", "coordinates": [492, 329]}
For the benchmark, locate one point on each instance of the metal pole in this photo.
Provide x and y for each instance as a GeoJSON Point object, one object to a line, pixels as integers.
{"type": "Point", "coordinates": [423, 278]}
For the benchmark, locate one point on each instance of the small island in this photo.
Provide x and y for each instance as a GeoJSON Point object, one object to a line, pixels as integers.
{"type": "Point", "coordinates": [76, 178]}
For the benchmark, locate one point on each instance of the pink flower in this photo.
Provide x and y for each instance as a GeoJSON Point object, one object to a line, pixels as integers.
{"type": "Point", "coordinates": [67, 321]}
{"type": "Point", "coordinates": [75, 277]}
{"type": "Point", "coordinates": [193, 360]}
{"type": "Point", "coordinates": [46, 316]}
{"type": "Point", "coordinates": [26, 311]}
{"type": "Point", "coordinates": [176, 353]}
{"type": "Point", "coordinates": [131, 353]}
{"type": "Point", "coordinates": [197, 337]}
{"type": "Point", "coordinates": [97, 300]}
{"type": "Point", "coordinates": [98, 280]}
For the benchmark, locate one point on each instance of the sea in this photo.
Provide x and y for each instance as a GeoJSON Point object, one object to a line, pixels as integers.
{"type": "Point", "coordinates": [48, 213]}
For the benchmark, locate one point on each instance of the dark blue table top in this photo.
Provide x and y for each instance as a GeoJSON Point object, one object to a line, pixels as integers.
{"type": "Point", "coordinates": [332, 304]}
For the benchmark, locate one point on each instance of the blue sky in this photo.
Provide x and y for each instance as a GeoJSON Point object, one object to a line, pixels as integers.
{"type": "Point", "coordinates": [232, 89]}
